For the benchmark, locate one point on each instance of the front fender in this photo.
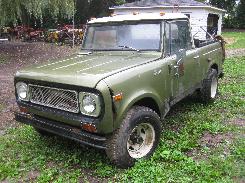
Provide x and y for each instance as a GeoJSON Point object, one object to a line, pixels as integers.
{"type": "Point", "coordinates": [130, 99]}
{"type": "Point", "coordinates": [139, 83]}
{"type": "Point", "coordinates": [106, 124]}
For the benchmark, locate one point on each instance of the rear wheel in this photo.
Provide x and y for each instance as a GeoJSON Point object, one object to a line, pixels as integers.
{"type": "Point", "coordinates": [209, 90]}
{"type": "Point", "coordinates": [137, 137]}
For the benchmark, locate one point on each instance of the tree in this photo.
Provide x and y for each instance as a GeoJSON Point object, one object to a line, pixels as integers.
{"type": "Point", "coordinates": [49, 12]}
{"type": "Point", "coordinates": [230, 7]}
{"type": "Point", "coordinates": [202, 1]}
{"type": "Point", "coordinates": [13, 11]}
{"type": "Point", "coordinates": [240, 17]}
{"type": "Point", "coordinates": [100, 8]}
{"type": "Point", "coordinates": [82, 11]}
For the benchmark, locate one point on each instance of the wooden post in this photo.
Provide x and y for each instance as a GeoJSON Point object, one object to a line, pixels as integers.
{"type": "Point", "coordinates": [73, 35]}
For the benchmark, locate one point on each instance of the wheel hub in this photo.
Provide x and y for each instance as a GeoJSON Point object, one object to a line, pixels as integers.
{"type": "Point", "coordinates": [136, 139]}
{"type": "Point", "coordinates": [214, 86]}
{"type": "Point", "coordinates": [141, 140]}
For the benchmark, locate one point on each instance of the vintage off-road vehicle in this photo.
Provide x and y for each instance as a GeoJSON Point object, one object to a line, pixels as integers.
{"type": "Point", "coordinates": [115, 92]}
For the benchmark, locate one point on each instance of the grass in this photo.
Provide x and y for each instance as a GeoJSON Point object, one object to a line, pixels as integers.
{"type": "Point", "coordinates": [1, 107]}
{"type": "Point", "coordinates": [185, 153]}
{"type": "Point", "coordinates": [236, 39]}
{"type": "Point", "coordinates": [4, 58]}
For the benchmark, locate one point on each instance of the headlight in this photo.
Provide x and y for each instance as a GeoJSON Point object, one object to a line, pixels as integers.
{"type": "Point", "coordinates": [90, 104]}
{"type": "Point", "coordinates": [22, 91]}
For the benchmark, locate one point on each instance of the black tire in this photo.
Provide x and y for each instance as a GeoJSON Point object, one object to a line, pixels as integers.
{"type": "Point", "coordinates": [209, 90]}
{"type": "Point", "coordinates": [118, 149]}
{"type": "Point", "coordinates": [43, 132]}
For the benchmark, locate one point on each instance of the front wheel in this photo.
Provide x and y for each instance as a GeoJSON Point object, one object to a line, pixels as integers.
{"type": "Point", "coordinates": [137, 137]}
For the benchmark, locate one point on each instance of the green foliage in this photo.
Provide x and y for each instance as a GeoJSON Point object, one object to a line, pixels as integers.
{"type": "Point", "coordinates": [228, 5]}
{"type": "Point", "coordinates": [239, 39]}
{"type": "Point", "coordinates": [1, 107]}
{"type": "Point", "coordinates": [180, 157]}
{"type": "Point", "coordinates": [13, 11]}
{"type": "Point", "coordinates": [241, 14]}
{"type": "Point", "coordinates": [203, 1]}
{"type": "Point", "coordinates": [48, 12]}
{"type": "Point", "coordinates": [4, 58]}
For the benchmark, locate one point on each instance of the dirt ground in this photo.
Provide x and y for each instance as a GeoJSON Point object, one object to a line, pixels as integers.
{"type": "Point", "coordinates": [235, 52]}
{"type": "Point", "coordinates": [14, 56]}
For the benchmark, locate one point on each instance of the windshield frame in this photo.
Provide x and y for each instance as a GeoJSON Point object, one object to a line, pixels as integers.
{"type": "Point", "coordinates": [160, 22]}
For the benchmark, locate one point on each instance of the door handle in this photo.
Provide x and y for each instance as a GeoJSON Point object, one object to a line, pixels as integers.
{"type": "Point", "coordinates": [176, 67]}
{"type": "Point", "coordinates": [196, 57]}
{"type": "Point", "coordinates": [157, 72]}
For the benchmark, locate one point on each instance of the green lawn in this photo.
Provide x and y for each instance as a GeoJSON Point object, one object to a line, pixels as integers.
{"type": "Point", "coordinates": [4, 58]}
{"type": "Point", "coordinates": [1, 107]}
{"type": "Point", "coordinates": [237, 39]}
{"type": "Point", "coordinates": [200, 143]}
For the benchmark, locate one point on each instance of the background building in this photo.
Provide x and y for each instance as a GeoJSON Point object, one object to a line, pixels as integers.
{"type": "Point", "coordinates": [202, 16]}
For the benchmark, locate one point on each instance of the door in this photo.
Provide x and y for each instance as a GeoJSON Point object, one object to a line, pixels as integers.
{"type": "Point", "coordinates": [184, 66]}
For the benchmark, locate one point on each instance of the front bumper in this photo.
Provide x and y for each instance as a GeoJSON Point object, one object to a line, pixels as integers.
{"type": "Point", "coordinates": [63, 130]}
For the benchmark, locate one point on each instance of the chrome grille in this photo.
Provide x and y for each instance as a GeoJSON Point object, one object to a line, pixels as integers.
{"type": "Point", "coordinates": [62, 99]}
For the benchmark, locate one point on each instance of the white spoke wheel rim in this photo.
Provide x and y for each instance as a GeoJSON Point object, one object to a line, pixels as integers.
{"type": "Point", "coordinates": [141, 140]}
{"type": "Point", "coordinates": [214, 86]}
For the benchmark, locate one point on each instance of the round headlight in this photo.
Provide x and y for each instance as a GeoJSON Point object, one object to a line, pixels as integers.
{"type": "Point", "coordinates": [89, 104]}
{"type": "Point", "coordinates": [22, 91]}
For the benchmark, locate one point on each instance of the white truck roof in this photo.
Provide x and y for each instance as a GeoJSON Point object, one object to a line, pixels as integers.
{"type": "Point", "coordinates": [139, 16]}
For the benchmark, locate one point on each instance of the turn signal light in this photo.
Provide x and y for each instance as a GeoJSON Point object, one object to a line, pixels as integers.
{"type": "Point", "coordinates": [162, 13]}
{"type": "Point", "coordinates": [118, 97]}
{"type": "Point", "coordinates": [89, 128]}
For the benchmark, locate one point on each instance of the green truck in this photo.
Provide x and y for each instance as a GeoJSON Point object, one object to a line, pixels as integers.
{"type": "Point", "coordinates": [115, 92]}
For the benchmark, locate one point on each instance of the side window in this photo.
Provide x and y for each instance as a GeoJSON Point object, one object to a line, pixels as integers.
{"type": "Point", "coordinates": [167, 48]}
{"type": "Point", "coordinates": [179, 36]}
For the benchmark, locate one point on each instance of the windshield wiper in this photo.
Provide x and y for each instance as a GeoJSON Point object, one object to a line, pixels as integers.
{"type": "Point", "coordinates": [129, 47]}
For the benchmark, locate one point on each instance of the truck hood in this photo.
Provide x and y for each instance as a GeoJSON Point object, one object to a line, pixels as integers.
{"type": "Point", "coordinates": [86, 70]}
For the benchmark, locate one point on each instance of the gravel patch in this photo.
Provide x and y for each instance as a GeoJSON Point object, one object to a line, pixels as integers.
{"type": "Point", "coordinates": [235, 52]}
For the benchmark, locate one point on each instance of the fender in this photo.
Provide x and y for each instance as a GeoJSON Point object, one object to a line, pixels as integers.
{"type": "Point", "coordinates": [128, 102]}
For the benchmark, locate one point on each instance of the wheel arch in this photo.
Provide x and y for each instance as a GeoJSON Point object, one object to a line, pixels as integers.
{"type": "Point", "coordinates": [215, 66]}
{"type": "Point", "coordinates": [147, 100]}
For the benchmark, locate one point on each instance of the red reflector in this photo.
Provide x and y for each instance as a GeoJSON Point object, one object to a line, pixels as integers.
{"type": "Point", "coordinates": [23, 110]}
{"type": "Point", "coordinates": [89, 128]}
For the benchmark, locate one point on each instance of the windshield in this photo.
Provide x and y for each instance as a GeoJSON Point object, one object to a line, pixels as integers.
{"type": "Point", "coordinates": [144, 36]}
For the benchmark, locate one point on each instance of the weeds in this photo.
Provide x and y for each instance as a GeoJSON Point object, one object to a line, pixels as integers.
{"type": "Point", "coordinates": [3, 58]}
